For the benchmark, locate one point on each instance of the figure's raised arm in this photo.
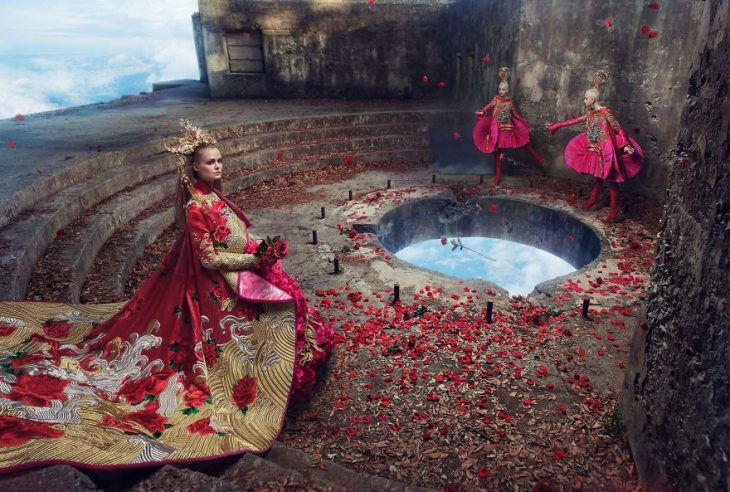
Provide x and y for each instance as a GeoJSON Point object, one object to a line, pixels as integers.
{"type": "Point", "coordinates": [209, 242]}
{"type": "Point", "coordinates": [553, 127]}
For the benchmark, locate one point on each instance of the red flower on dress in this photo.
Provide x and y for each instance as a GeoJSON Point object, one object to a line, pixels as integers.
{"type": "Point", "coordinates": [221, 233]}
{"type": "Point", "coordinates": [56, 329]}
{"type": "Point", "coordinates": [210, 353]}
{"type": "Point", "coordinates": [201, 427]}
{"type": "Point", "coordinates": [195, 397]}
{"type": "Point", "coordinates": [37, 390]}
{"type": "Point", "coordinates": [244, 392]}
{"type": "Point", "coordinates": [15, 431]}
{"type": "Point", "coordinates": [6, 330]}
{"type": "Point", "coordinates": [26, 359]}
{"type": "Point", "coordinates": [149, 419]}
{"type": "Point", "coordinates": [135, 391]}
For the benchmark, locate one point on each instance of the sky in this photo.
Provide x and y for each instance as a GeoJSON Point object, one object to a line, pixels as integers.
{"type": "Point", "coordinates": [518, 268]}
{"type": "Point", "coordinates": [61, 53]}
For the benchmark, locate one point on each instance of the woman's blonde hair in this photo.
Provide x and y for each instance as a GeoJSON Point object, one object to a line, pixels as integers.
{"type": "Point", "coordinates": [185, 191]}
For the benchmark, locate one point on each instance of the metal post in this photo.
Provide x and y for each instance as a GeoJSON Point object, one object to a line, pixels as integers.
{"type": "Point", "coordinates": [314, 237]}
{"type": "Point", "coordinates": [586, 304]}
{"type": "Point", "coordinates": [396, 293]}
{"type": "Point", "coordinates": [388, 184]}
{"type": "Point", "coordinates": [490, 309]}
{"type": "Point", "coordinates": [321, 210]}
{"type": "Point", "coordinates": [350, 195]}
{"type": "Point", "coordinates": [337, 265]}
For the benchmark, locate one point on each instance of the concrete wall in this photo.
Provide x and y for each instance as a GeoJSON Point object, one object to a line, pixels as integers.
{"type": "Point", "coordinates": [677, 391]}
{"type": "Point", "coordinates": [331, 48]}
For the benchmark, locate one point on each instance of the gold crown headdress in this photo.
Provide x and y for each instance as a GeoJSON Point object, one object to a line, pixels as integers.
{"type": "Point", "coordinates": [600, 77]}
{"type": "Point", "coordinates": [504, 73]}
{"type": "Point", "coordinates": [192, 138]}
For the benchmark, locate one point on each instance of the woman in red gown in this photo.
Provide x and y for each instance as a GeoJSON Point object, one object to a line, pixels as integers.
{"type": "Point", "coordinates": [201, 362]}
{"type": "Point", "coordinates": [602, 150]}
{"type": "Point", "coordinates": [503, 129]}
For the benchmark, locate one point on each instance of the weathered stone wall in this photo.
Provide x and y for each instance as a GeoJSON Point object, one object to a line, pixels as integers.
{"type": "Point", "coordinates": [677, 391]}
{"type": "Point", "coordinates": [553, 47]}
{"type": "Point", "coordinates": [331, 48]}
{"type": "Point", "coordinates": [483, 38]}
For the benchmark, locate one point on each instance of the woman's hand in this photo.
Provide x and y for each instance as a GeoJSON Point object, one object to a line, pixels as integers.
{"type": "Point", "coordinates": [479, 114]}
{"type": "Point", "coordinates": [629, 149]}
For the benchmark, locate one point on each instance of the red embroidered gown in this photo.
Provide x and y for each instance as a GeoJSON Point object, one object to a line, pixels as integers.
{"type": "Point", "coordinates": [201, 362]}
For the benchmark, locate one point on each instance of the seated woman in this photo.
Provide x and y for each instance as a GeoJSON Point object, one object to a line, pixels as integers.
{"type": "Point", "coordinates": [201, 362]}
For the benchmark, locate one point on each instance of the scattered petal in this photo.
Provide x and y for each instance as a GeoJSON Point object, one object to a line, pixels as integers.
{"type": "Point", "coordinates": [440, 84]}
{"type": "Point", "coordinates": [608, 24]}
{"type": "Point", "coordinates": [19, 117]}
{"type": "Point", "coordinates": [653, 5]}
{"type": "Point", "coordinates": [11, 144]}
{"type": "Point", "coordinates": [425, 79]}
{"type": "Point", "coordinates": [487, 59]}
{"type": "Point", "coordinates": [456, 135]}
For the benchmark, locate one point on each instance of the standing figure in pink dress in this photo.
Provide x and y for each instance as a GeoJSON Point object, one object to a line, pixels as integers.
{"type": "Point", "coordinates": [504, 128]}
{"type": "Point", "coordinates": [602, 150]}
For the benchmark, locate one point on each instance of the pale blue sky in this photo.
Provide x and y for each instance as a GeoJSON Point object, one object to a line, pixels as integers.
{"type": "Point", "coordinates": [59, 53]}
{"type": "Point", "coordinates": [518, 268]}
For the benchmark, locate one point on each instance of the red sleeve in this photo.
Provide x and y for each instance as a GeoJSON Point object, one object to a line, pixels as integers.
{"type": "Point", "coordinates": [211, 254]}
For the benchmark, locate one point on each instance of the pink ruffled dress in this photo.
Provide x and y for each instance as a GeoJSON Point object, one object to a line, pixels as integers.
{"type": "Point", "coordinates": [598, 150]}
{"type": "Point", "coordinates": [504, 128]}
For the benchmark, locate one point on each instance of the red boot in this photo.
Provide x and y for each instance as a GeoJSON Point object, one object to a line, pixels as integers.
{"type": "Point", "coordinates": [613, 209]}
{"type": "Point", "coordinates": [535, 155]}
{"type": "Point", "coordinates": [498, 165]}
{"type": "Point", "coordinates": [594, 195]}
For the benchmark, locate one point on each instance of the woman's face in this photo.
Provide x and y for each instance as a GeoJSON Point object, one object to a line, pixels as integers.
{"type": "Point", "coordinates": [503, 90]}
{"type": "Point", "coordinates": [588, 100]}
{"type": "Point", "coordinates": [208, 164]}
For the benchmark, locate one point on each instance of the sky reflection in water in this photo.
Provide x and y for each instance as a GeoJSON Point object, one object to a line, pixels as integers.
{"type": "Point", "coordinates": [518, 268]}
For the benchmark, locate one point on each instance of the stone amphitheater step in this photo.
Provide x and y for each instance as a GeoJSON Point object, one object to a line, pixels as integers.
{"type": "Point", "coordinates": [41, 222]}
{"type": "Point", "coordinates": [13, 205]}
{"type": "Point", "coordinates": [130, 247]}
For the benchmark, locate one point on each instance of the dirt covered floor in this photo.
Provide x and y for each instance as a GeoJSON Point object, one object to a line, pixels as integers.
{"type": "Point", "coordinates": [425, 391]}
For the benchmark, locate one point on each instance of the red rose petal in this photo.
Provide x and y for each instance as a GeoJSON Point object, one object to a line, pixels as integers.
{"type": "Point", "coordinates": [349, 159]}
{"type": "Point", "coordinates": [11, 144]}
{"type": "Point", "coordinates": [608, 24]}
{"type": "Point", "coordinates": [456, 135]}
{"type": "Point", "coordinates": [559, 454]}
{"type": "Point", "coordinates": [440, 84]}
{"type": "Point", "coordinates": [19, 117]}
{"type": "Point", "coordinates": [653, 5]}
{"type": "Point", "coordinates": [425, 79]}
{"type": "Point", "coordinates": [653, 34]}
{"type": "Point", "coordinates": [645, 29]}
{"type": "Point", "coordinates": [484, 473]}
{"type": "Point", "coordinates": [487, 59]}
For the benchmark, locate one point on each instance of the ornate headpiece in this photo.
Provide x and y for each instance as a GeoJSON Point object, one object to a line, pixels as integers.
{"type": "Point", "coordinates": [504, 73]}
{"type": "Point", "coordinates": [600, 77]}
{"type": "Point", "coordinates": [193, 138]}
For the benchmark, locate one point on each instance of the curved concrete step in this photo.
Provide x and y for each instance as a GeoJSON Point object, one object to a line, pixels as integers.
{"type": "Point", "coordinates": [27, 238]}
{"type": "Point", "coordinates": [75, 256]}
{"type": "Point", "coordinates": [12, 206]}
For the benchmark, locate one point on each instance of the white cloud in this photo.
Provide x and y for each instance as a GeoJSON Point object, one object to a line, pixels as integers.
{"type": "Point", "coordinates": [63, 53]}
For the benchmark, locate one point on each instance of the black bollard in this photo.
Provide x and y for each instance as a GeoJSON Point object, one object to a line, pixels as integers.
{"type": "Point", "coordinates": [481, 179]}
{"type": "Point", "coordinates": [350, 195]}
{"type": "Point", "coordinates": [396, 293]}
{"type": "Point", "coordinates": [388, 184]}
{"type": "Point", "coordinates": [314, 237]}
{"type": "Point", "coordinates": [586, 304]}
{"type": "Point", "coordinates": [337, 265]}
{"type": "Point", "coordinates": [433, 178]}
{"type": "Point", "coordinates": [490, 308]}
{"type": "Point", "coordinates": [321, 210]}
